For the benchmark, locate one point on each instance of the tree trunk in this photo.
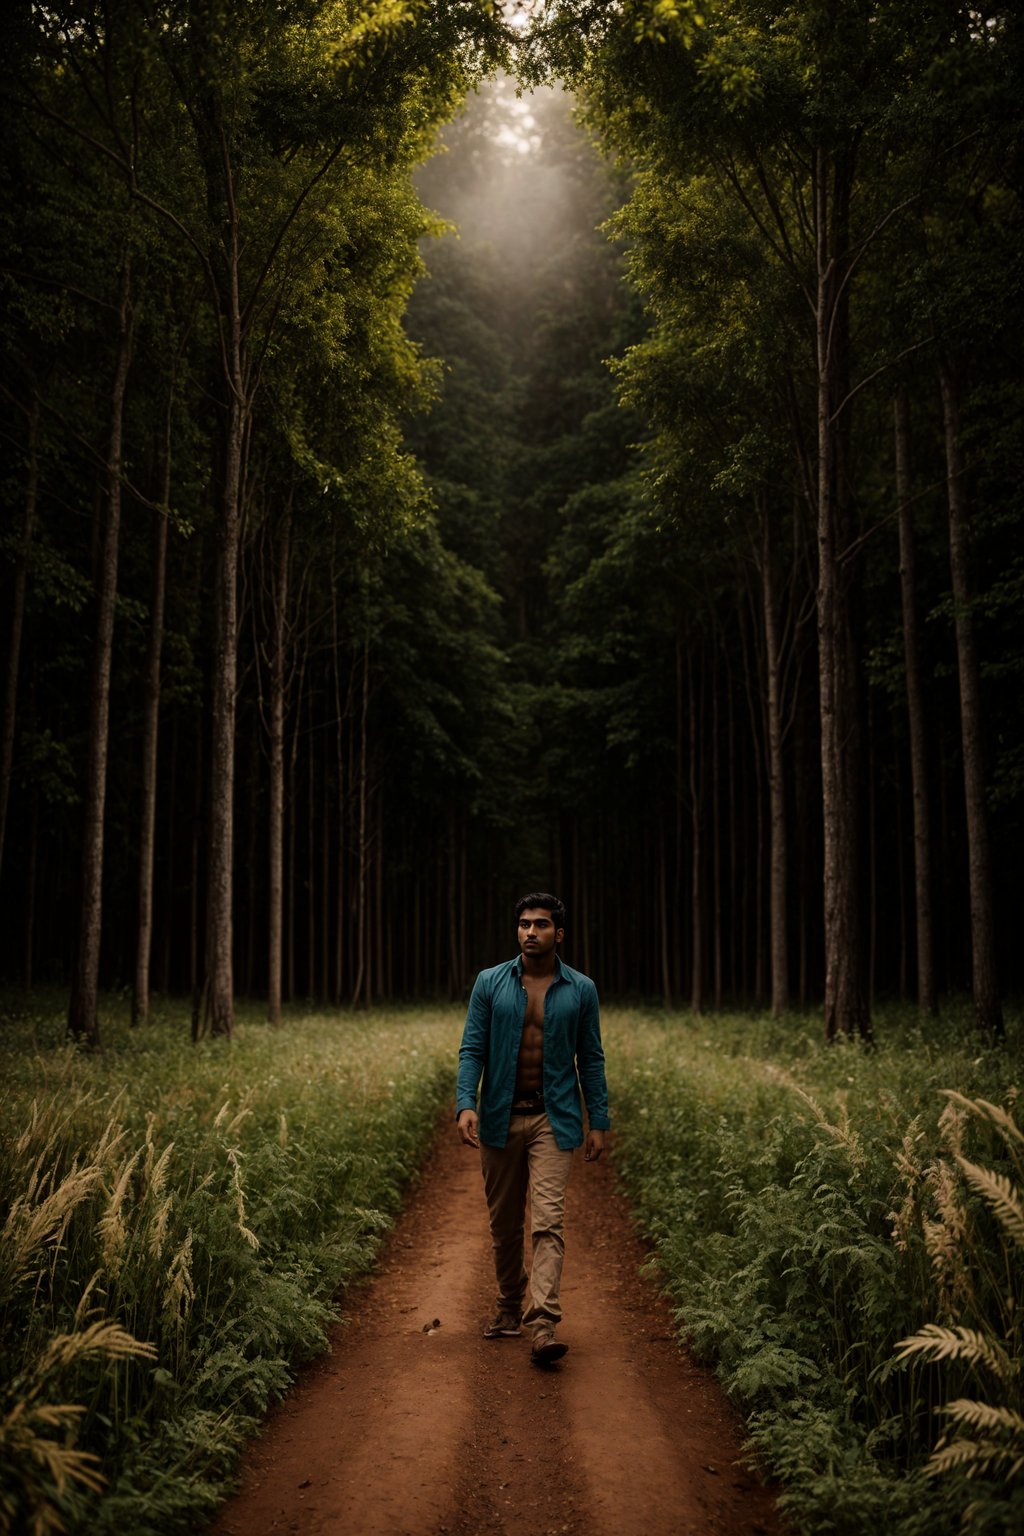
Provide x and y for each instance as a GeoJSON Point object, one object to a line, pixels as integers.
{"type": "Point", "coordinates": [339, 743]}
{"type": "Point", "coordinates": [251, 871]}
{"type": "Point", "coordinates": [902, 868]}
{"type": "Point", "coordinates": [716, 835]}
{"type": "Point", "coordinates": [663, 926]}
{"type": "Point", "coordinates": [733, 851]}
{"type": "Point", "coordinates": [324, 990]}
{"type": "Point", "coordinates": [18, 620]}
{"type": "Point", "coordinates": [357, 985]}
{"type": "Point", "coordinates": [292, 802]}
{"type": "Point", "coordinates": [417, 924]}
{"type": "Point", "coordinates": [150, 737]}
{"type": "Point", "coordinates": [753, 942]}
{"type": "Point", "coordinates": [697, 941]}
{"type": "Point", "coordinates": [83, 1020]}
{"type": "Point", "coordinates": [219, 982]}
{"type": "Point", "coordinates": [311, 842]}
{"type": "Point", "coordinates": [32, 867]}
{"type": "Point", "coordinates": [378, 895]}
{"type": "Point", "coordinates": [583, 907]}
{"type": "Point", "coordinates": [846, 1007]}
{"type": "Point", "coordinates": [680, 808]}
{"type": "Point", "coordinates": [275, 828]}
{"type": "Point", "coordinates": [759, 954]}
{"type": "Point", "coordinates": [194, 957]}
{"type": "Point", "coordinates": [806, 895]}
{"type": "Point", "coordinates": [950, 948]}
{"type": "Point", "coordinates": [167, 926]}
{"type": "Point", "coordinates": [220, 919]}
{"type": "Point", "coordinates": [438, 907]}
{"type": "Point", "coordinates": [463, 903]}
{"type": "Point", "coordinates": [926, 993]}
{"type": "Point", "coordinates": [987, 1004]}
{"type": "Point", "coordinates": [453, 916]}
{"type": "Point", "coordinates": [872, 779]}
{"type": "Point", "coordinates": [778, 872]}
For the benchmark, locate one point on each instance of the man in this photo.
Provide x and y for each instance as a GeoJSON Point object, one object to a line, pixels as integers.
{"type": "Point", "coordinates": [533, 1033]}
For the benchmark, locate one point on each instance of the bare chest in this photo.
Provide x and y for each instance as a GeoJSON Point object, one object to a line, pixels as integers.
{"type": "Point", "coordinates": [536, 989]}
{"type": "Point", "coordinates": [530, 1065]}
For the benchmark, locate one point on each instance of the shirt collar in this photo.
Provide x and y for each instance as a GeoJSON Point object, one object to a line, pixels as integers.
{"type": "Point", "coordinates": [517, 966]}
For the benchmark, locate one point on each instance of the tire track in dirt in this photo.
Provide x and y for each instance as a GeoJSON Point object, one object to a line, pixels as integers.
{"type": "Point", "coordinates": [406, 1432]}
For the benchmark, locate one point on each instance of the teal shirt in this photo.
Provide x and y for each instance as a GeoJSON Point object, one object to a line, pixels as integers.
{"type": "Point", "coordinates": [573, 1058]}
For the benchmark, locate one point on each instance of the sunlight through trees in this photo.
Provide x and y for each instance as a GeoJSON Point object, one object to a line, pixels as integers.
{"type": "Point", "coordinates": [627, 502]}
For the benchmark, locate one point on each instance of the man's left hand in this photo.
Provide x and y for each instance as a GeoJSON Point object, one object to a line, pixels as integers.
{"type": "Point", "coordinates": [594, 1146]}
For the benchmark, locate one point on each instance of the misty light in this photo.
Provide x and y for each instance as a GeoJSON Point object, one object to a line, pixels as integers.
{"type": "Point", "coordinates": [519, 15]}
{"type": "Point", "coordinates": [511, 174]}
{"type": "Point", "coordinates": [519, 131]}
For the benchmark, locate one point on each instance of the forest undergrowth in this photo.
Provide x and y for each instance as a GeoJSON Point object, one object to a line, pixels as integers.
{"type": "Point", "coordinates": [177, 1223]}
{"type": "Point", "coordinates": [842, 1233]}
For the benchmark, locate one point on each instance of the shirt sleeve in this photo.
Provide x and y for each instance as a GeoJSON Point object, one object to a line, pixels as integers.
{"type": "Point", "coordinates": [475, 1041]}
{"type": "Point", "coordinates": [590, 1060]}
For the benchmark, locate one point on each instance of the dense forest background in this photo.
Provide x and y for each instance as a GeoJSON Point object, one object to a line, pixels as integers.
{"type": "Point", "coordinates": [654, 538]}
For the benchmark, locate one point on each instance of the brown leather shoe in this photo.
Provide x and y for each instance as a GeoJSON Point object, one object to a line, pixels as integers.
{"type": "Point", "coordinates": [504, 1326]}
{"type": "Point", "coordinates": [546, 1348]}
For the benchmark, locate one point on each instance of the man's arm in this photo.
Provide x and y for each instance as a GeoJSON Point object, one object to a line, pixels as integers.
{"type": "Point", "coordinates": [590, 1066]}
{"type": "Point", "coordinates": [472, 1059]}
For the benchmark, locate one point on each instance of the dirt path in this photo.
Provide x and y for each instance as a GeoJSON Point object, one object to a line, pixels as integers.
{"type": "Point", "coordinates": [407, 1432]}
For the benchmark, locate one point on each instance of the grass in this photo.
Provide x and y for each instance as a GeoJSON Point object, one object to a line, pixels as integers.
{"type": "Point", "coordinates": [177, 1224]}
{"type": "Point", "coordinates": [843, 1234]}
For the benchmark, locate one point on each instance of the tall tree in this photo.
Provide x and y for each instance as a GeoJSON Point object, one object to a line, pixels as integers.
{"type": "Point", "coordinates": [793, 120]}
{"type": "Point", "coordinates": [926, 992]}
{"type": "Point", "coordinates": [985, 979]}
{"type": "Point", "coordinates": [277, 107]}
{"type": "Point", "coordinates": [83, 1020]}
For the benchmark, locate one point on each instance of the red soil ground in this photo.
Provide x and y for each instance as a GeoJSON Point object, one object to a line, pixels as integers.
{"type": "Point", "coordinates": [407, 1429]}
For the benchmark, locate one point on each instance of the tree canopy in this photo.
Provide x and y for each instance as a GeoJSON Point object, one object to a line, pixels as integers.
{"type": "Point", "coordinates": [623, 500]}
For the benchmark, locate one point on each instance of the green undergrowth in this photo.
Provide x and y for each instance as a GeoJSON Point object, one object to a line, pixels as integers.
{"type": "Point", "coordinates": [845, 1240]}
{"type": "Point", "coordinates": [178, 1222]}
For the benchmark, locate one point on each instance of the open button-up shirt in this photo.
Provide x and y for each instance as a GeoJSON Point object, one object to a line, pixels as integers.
{"type": "Point", "coordinates": [573, 1058]}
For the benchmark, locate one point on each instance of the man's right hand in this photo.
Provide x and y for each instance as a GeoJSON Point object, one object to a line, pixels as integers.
{"type": "Point", "coordinates": [469, 1125]}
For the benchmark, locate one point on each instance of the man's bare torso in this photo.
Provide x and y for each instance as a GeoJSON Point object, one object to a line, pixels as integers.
{"type": "Point", "coordinates": [530, 1063]}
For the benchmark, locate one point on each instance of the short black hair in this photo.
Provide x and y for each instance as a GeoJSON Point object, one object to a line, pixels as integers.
{"type": "Point", "coordinates": [546, 901]}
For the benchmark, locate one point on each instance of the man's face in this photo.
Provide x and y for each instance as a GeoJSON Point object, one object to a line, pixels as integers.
{"type": "Point", "coordinates": [537, 932]}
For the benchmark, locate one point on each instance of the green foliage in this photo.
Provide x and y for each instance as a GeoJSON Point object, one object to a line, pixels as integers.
{"type": "Point", "coordinates": [177, 1224]}
{"type": "Point", "coordinates": [976, 1243]}
{"type": "Point", "coordinates": [528, 458]}
{"type": "Point", "coordinates": [813, 1207]}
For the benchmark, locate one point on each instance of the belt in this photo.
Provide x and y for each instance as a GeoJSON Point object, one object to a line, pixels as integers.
{"type": "Point", "coordinates": [528, 1107]}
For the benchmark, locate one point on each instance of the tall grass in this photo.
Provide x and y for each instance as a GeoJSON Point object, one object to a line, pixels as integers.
{"type": "Point", "coordinates": [176, 1224]}
{"type": "Point", "coordinates": [843, 1234]}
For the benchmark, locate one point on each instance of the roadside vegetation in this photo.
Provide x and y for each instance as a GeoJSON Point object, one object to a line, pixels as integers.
{"type": "Point", "coordinates": [177, 1223]}
{"type": "Point", "coordinates": [842, 1232]}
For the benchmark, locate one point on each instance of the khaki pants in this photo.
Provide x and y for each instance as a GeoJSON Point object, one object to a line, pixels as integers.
{"type": "Point", "coordinates": [530, 1162]}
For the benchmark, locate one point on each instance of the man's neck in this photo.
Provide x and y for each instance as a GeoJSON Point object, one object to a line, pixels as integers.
{"type": "Point", "coordinates": [532, 966]}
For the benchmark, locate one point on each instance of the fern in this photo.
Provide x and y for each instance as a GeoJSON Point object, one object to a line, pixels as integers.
{"type": "Point", "coordinates": [1004, 1201]}
{"type": "Point", "coordinates": [985, 1439]}
{"type": "Point", "coordinates": [966, 1344]}
{"type": "Point", "coordinates": [217, 1228]}
{"type": "Point", "coordinates": [984, 1417]}
{"type": "Point", "coordinates": [997, 1116]}
{"type": "Point", "coordinates": [978, 1458]}
{"type": "Point", "coordinates": [823, 1246]}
